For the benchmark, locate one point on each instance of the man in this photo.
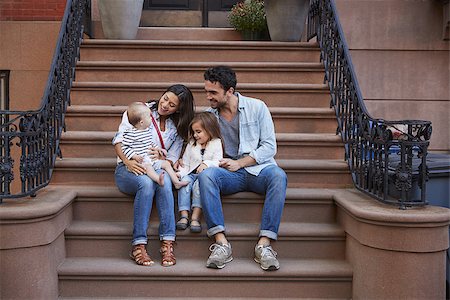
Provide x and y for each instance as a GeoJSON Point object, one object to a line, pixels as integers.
{"type": "Point", "coordinates": [249, 148]}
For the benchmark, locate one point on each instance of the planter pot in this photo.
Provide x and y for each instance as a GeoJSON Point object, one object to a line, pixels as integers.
{"type": "Point", "coordinates": [286, 19]}
{"type": "Point", "coordinates": [120, 18]}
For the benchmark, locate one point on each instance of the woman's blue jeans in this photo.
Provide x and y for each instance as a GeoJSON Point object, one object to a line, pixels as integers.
{"type": "Point", "coordinates": [271, 182]}
{"type": "Point", "coordinates": [144, 190]}
{"type": "Point", "coordinates": [188, 192]}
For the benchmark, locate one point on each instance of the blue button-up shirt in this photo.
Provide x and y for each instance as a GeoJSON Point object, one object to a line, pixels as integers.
{"type": "Point", "coordinates": [256, 133]}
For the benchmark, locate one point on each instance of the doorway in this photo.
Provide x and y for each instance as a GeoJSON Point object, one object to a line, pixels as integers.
{"type": "Point", "coordinates": [187, 13]}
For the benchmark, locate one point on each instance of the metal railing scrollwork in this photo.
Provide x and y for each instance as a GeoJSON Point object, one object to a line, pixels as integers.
{"type": "Point", "coordinates": [385, 158]}
{"type": "Point", "coordinates": [31, 138]}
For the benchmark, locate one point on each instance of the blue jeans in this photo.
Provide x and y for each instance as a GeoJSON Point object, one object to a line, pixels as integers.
{"type": "Point", "coordinates": [271, 181]}
{"type": "Point", "coordinates": [144, 190]}
{"type": "Point", "coordinates": [187, 192]}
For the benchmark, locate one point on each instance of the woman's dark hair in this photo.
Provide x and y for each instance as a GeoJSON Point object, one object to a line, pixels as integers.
{"type": "Point", "coordinates": [209, 123]}
{"type": "Point", "coordinates": [223, 75]}
{"type": "Point", "coordinates": [183, 116]}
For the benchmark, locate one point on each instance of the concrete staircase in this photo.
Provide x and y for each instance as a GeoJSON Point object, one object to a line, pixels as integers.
{"type": "Point", "coordinates": [289, 78]}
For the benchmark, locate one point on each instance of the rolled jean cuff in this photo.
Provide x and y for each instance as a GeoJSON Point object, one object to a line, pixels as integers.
{"type": "Point", "coordinates": [215, 230]}
{"type": "Point", "coordinates": [267, 233]}
{"type": "Point", "coordinates": [167, 238]}
{"type": "Point", "coordinates": [139, 242]}
{"type": "Point", "coordinates": [181, 208]}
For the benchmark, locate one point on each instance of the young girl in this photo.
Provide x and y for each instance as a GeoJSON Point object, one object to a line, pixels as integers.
{"type": "Point", "coordinates": [204, 150]}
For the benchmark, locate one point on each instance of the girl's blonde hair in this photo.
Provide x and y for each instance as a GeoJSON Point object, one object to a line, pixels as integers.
{"type": "Point", "coordinates": [209, 123]}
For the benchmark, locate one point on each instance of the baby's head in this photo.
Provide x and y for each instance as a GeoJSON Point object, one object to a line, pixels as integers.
{"type": "Point", "coordinates": [139, 115]}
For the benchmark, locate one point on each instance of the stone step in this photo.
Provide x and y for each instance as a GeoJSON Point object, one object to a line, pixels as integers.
{"type": "Point", "coordinates": [309, 173]}
{"type": "Point", "coordinates": [206, 51]}
{"type": "Point", "coordinates": [98, 203]}
{"type": "Point", "coordinates": [151, 71]}
{"type": "Point", "coordinates": [120, 277]}
{"type": "Point", "coordinates": [123, 93]}
{"type": "Point", "coordinates": [296, 240]}
{"type": "Point", "coordinates": [188, 33]}
{"type": "Point", "coordinates": [286, 119]}
{"type": "Point", "coordinates": [79, 144]}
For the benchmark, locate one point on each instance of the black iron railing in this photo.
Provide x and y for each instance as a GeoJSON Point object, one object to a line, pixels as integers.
{"type": "Point", "coordinates": [29, 141]}
{"type": "Point", "coordinates": [386, 158]}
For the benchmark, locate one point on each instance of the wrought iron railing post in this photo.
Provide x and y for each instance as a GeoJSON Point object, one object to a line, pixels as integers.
{"type": "Point", "coordinates": [370, 144]}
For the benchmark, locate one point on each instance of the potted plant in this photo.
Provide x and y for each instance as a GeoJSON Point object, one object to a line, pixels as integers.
{"type": "Point", "coordinates": [249, 18]}
{"type": "Point", "coordinates": [286, 19]}
{"type": "Point", "coordinates": [120, 18]}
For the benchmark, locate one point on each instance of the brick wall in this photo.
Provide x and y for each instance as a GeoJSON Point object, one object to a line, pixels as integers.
{"type": "Point", "coordinates": [32, 10]}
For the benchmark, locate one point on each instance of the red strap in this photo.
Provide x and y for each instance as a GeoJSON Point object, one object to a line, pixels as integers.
{"type": "Point", "coordinates": [159, 132]}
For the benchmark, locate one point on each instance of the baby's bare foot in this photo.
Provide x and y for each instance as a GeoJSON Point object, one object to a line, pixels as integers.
{"type": "Point", "coordinates": [161, 179]}
{"type": "Point", "coordinates": [178, 185]}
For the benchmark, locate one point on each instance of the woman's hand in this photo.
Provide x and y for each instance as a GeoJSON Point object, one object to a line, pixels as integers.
{"type": "Point", "coordinates": [157, 153]}
{"type": "Point", "coordinates": [138, 158]}
{"type": "Point", "coordinates": [134, 167]}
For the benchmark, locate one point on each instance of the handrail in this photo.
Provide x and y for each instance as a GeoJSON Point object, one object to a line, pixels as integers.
{"type": "Point", "coordinates": [385, 158]}
{"type": "Point", "coordinates": [32, 137]}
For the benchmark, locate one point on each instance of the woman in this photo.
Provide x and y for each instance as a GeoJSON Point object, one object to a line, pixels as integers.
{"type": "Point", "coordinates": [172, 114]}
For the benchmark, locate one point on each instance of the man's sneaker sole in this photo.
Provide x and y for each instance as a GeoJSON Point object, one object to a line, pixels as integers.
{"type": "Point", "coordinates": [269, 268]}
{"type": "Point", "coordinates": [213, 265]}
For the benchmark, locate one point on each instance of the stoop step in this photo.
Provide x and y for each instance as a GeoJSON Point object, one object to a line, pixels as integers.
{"type": "Point", "coordinates": [286, 119]}
{"type": "Point", "coordinates": [198, 51]}
{"type": "Point", "coordinates": [273, 94]}
{"type": "Point", "coordinates": [117, 277]}
{"type": "Point", "coordinates": [151, 71]}
{"type": "Point", "coordinates": [302, 173]}
{"type": "Point", "coordinates": [79, 144]}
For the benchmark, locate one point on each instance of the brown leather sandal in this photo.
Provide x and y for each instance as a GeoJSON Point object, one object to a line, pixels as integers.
{"type": "Point", "coordinates": [140, 256]}
{"type": "Point", "coordinates": [168, 257]}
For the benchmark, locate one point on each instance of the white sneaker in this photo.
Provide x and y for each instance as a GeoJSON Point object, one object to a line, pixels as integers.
{"type": "Point", "coordinates": [266, 257]}
{"type": "Point", "coordinates": [221, 254]}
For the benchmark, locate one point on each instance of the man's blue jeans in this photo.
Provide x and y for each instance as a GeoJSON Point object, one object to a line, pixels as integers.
{"type": "Point", "coordinates": [271, 181]}
{"type": "Point", "coordinates": [144, 190]}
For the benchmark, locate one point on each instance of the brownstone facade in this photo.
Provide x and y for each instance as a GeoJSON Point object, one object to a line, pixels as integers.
{"type": "Point", "coordinates": [32, 10]}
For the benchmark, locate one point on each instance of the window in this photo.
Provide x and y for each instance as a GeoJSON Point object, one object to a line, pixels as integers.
{"type": "Point", "coordinates": [4, 90]}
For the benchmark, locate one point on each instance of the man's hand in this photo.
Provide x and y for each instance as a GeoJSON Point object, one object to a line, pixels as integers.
{"type": "Point", "coordinates": [134, 167]}
{"type": "Point", "coordinates": [229, 164]}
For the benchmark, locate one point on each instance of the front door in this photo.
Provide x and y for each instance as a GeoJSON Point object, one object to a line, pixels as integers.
{"type": "Point", "coordinates": [193, 13]}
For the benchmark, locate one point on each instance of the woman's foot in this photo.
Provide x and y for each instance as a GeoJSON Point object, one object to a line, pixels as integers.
{"type": "Point", "coordinates": [167, 256]}
{"type": "Point", "coordinates": [140, 256]}
{"type": "Point", "coordinates": [183, 223]}
{"type": "Point", "coordinates": [178, 185]}
{"type": "Point", "coordinates": [196, 226]}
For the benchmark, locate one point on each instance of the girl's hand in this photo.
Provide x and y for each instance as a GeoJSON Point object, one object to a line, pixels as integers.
{"type": "Point", "coordinates": [201, 168]}
{"type": "Point", "coordinates": [178, 164]}
{"type": "Point", "coordinates": [157, 153]}
{"type": "Point", "coordinates": [134, 167]}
